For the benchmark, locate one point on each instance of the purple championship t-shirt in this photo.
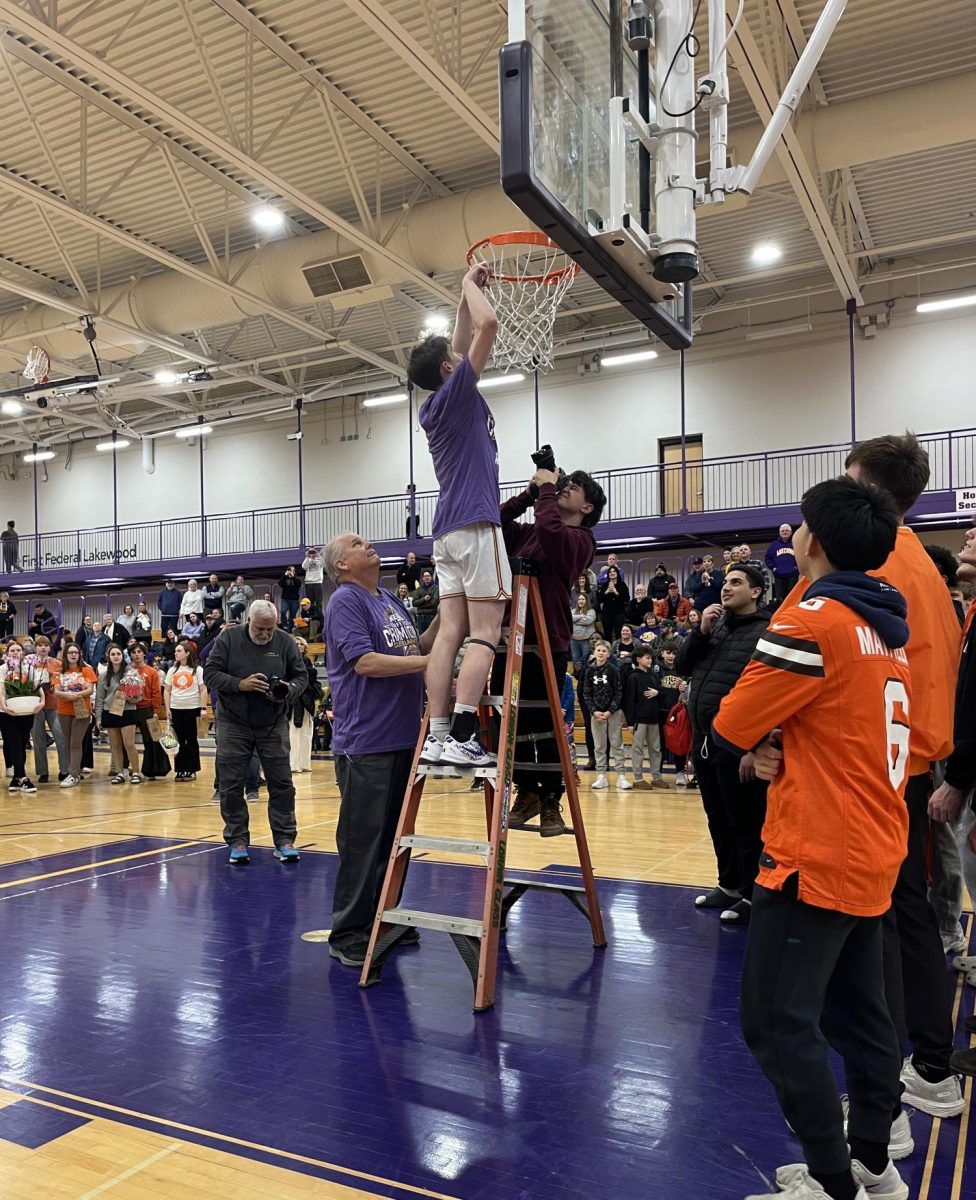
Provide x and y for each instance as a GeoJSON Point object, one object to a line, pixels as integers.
{"type": "Point", "coordinates": [461, 435]}
{"type": "Point", "coordinates": [371, 716]}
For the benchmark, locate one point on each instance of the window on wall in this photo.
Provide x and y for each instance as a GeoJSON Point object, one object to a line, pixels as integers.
{"type": "Point", "coordinates": [670, 458]}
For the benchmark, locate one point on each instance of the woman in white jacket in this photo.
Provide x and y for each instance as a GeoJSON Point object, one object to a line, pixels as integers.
{"type": "Point", "coordinates": [192, 602]}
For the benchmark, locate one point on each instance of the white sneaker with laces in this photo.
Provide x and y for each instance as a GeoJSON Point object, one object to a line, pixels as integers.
{"type": "Point", "coordinates": [900, 1140]}
{"type": "Point", "coordinates": [965, 962]}
{"type": "Point", "coordinates": [887, 1186]}
{"type": "Point", "coordinates": [623, 783]}
{"type": "Point", "coordinates": [802, 1186]}
{"type": "Point", "coordinates": [681, 779]}
{"type": "Point", "coordinates": [600, 782]}
{"type": "Point", "coordinates": [466, 754]}
{"type": "Point", "coordinates": [432, 751]}
{"type": "Point", "coordinates": [69, 781]}
{"type": "Point", "coordinates": [937, 1099]}
{"type": "Point", "coordinates": [953, 942]}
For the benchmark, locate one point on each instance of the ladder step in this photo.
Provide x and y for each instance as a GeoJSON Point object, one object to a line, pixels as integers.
{"type": "Point", "coordinates": [455, 771]}
{"type": "Point", "coordinates": [499, 701]}
{"type": "Point", "coordinates": [428, 920]}
{"type": "Point", "coordinates": [453, 845]}
{"type": "Point", "coordinates": [535, 886]}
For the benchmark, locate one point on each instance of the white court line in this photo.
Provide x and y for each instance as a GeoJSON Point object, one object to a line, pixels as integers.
{"type": "Point", "coordinates": [107, 874]}
{"type": "Point", "coordinates": [136, 1170]}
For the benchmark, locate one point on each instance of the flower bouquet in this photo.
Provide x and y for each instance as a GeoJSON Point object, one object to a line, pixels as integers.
{"type": "Point", "coordinates": [22, 683]}
{"type": "Point", "coordinates": [132, 685]}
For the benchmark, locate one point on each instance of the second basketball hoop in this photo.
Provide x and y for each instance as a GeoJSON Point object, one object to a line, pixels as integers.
{"type": "Point", "coordinates": [529, 276]}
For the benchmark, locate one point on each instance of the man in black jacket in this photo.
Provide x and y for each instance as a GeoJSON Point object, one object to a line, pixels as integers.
{"type": "Point", "coordinates": [715, 655]}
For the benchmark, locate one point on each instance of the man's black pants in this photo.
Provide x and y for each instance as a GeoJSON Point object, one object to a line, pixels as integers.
{"type": "Point", "coordinates": [534, 721]}
{"type": "Point", "coordinates": [372, 787]}
{"type": "Point", "coordinates": [813, 978]}
{"type": "Point", "coordinates": [735, 812]}
{"type": "Point", "coordinates": [917, 983]}
{"type": "Point", "coordinates": [235, 742]}
{"type": "Point", "coordinates": [782, 586]}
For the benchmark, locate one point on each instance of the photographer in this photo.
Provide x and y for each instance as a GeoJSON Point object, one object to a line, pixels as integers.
{"type": "Point", "coordinates": [256, 670]}
{"type": "Point", "coordinates": [561, 544]}
{"type": "Point", "coordinates": [313, 571]}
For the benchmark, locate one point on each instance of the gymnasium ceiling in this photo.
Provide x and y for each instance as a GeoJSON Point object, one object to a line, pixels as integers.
{"type": "Point", "coordinates": [139, 136]}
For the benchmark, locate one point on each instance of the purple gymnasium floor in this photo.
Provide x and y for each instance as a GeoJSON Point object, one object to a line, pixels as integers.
{"type": "Point", "coordinates": [179, 989]}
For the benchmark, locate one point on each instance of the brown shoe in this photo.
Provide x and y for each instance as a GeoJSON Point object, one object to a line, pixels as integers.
{"type": "Point", "coordinates": [660, 785]}
{"type": "Point", "coordinates": [642, 785]}
{"type": "Point", "coordinates": [551, 822]}
{"type": "Point", "coordinates": [526, 806]}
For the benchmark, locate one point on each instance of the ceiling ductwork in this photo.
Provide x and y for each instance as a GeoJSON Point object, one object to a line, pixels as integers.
{"type": "Point", "coordinates": [435, 236]}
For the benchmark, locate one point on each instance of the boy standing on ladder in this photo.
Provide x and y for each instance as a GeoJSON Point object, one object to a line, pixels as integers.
{"type": "Point", "coordinates": [469, 552]}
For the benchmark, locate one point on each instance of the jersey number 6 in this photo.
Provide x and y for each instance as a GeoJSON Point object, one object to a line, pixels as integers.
{"type": "Point", "coordinates": [897, 726]}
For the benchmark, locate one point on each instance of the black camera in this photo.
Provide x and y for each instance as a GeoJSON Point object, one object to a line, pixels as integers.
{"type": "Point", "coordinates": [277, 688]}
{"type": "Point", "coordinates": [545, 460]}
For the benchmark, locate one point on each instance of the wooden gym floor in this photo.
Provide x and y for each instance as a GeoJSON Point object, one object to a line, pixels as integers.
{"type": "Point", "coordinates": [174, 1027]}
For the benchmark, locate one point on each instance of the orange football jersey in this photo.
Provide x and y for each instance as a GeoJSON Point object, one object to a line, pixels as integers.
{"type": "Point", "coordinates": [934, 644]}
{"type": "Point", "coordinates": [836, 812]}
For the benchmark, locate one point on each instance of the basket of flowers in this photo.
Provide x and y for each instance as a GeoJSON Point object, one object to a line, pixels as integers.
{"type": "Point", "coordinates": [74, 681]}
{"type": "Point", "coordinates": [22, 682]}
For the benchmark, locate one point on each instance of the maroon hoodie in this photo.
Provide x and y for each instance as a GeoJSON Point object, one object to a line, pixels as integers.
{"type": "Point", "coordinates": [562, 553]}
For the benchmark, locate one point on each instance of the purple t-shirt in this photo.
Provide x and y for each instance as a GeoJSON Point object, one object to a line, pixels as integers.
{"type": "Point", "coordinates": [461, 435]}
{"type": "Point", "coordinates": [371, 716]}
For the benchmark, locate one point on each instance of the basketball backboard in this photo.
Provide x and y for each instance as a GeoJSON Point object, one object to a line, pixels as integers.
{"type": "Point", "coordinates": [562, 159]}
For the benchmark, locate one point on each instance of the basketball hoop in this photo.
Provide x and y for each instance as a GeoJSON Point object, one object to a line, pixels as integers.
{"type": "Point", "coordinates": [38, 365]}
{"type": "Point", "coordinates": [528, 277]}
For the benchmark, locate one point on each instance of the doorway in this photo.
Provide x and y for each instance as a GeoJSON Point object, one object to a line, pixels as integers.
{"type": "Point", "coordinates": [669, 456]}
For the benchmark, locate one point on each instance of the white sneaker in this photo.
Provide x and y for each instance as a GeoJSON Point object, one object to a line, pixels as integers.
{"type": "Point", "coordinates": [953, 942]}
{"type": "Point", "coordinates": [965, 962]}
{"type": "Point", "coordinates": [802, 1186]}
{"type": "Point", "coordinates": [900, 1140]}
{"type": "Point", "coordinates": [681, 779]}
{"type": "Point", "coordinates": [887, 1186]}
{"type": "Point", "coordinates": [623, 783]}
{"type": "Point", "coordinates": [466, 754]}
{"type": "Point", "coordinates": [600, 782]}
{"type": "Point", "coordinates": [69, 781]}
{"type": "Point", "coordinates": [937, 1099]}
{"type": "Point", "coordinates": [432, 751]}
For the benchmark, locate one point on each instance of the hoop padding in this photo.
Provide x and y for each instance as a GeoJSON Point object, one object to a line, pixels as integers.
{"type": "Point", "coordinates": [38, 365]}
{"type": "Point", "coordinates": [529, 277]}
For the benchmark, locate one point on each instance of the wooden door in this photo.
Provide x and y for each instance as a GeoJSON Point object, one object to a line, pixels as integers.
{"type": "Point", "coordinates": [670, 457]}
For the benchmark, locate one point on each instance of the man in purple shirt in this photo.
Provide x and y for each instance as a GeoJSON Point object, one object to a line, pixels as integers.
{"type": "Point", "coordinates": [375, 661]}
{"type": "Point", "coordinates": [469, 551]}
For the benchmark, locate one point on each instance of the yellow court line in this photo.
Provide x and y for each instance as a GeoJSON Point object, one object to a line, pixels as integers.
{"type": "Point", "coordinates": [217, 1137]}
{"type": "Point", "coordinates": [926, 1183]}
{"type": "Point", "coordinates": [105, 862]}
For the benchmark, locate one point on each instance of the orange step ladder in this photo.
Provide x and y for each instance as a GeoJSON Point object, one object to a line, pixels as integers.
{"type": "Point", "coordinates": [477, 938]}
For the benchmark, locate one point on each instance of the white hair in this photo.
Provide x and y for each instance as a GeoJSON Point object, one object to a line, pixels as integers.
{"type": "Point", "coordinates": [262, 608]}
{"type": "Point", "coordinates": [333, 552]}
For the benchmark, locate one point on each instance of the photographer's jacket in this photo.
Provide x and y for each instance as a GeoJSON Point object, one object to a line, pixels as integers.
{"type": "Point", "coordinates": [561, 552]}
{"type": "Point", "coordinates": [235, 656]}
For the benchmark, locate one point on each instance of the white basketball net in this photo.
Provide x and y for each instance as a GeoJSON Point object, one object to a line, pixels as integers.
{"type": "Point", "coordinates": [525, 307]}
{"type": "Point", "coordinates": [38, 365]}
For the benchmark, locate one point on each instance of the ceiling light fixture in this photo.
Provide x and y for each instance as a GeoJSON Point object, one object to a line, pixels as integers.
{"type": "Point", "coordinates": [621, 360]}
{"type": "Point", "coordinates": [435, 325]}
{"type": "Point", "coordinates": [762, 335]}
{"type": "Point", "coordinates": [189, 431]}
{"type": "Point", "coordinates": [108, 447]}
{"type": "Point", "coordinates": [268, 218]}
{"type": "Point", "coordinates": [951, 302]}
{"type": "Point", "coordinates": [40, 456]}
{"type": "Point", "coordinates": [380, 401]}
{"type": "Point", "coordinates": [766, 253]}
{"type": "Point", "coordinates": [167, 377]}
{"type": "Point", "coordinates": [498, 380]}
{"type": "Point", "coordinates": [11, 408]}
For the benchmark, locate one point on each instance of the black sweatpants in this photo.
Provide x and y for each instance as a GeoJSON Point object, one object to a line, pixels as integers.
{"type": "Point", "coordinates": [813, 978]}
{"type": "Point", "coordinates": [537, 721]}
{"type": "Point", "coordinates": [235, 743]}
{"type": "Point", "coordinates": [372, 787]}
{"type": "Point", "coordinates": [735, 812]}
{"type": "Point", "coordinates": [917, 982]}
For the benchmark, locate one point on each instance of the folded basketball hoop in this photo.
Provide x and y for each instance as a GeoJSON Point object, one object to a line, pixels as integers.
{"type": "Point", "coordinates": [529, 275]}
